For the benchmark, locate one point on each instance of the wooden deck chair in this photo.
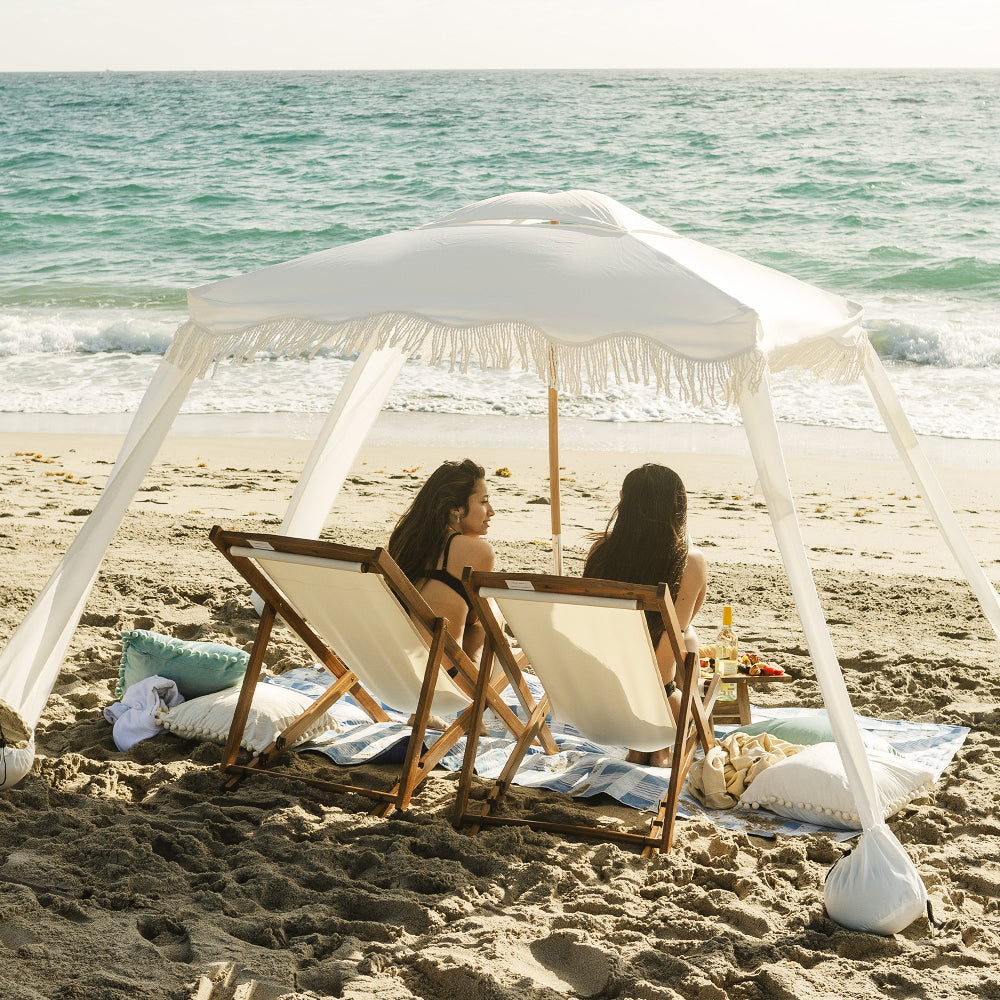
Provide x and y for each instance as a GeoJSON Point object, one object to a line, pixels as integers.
{"type": "Point", "coordinates": [366, 623]}
{"type": "Point", "coordinates": [589, 644]}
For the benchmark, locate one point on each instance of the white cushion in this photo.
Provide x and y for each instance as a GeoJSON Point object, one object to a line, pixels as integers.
{"type": "Point", "coordinates": [211, 716]}
{"type": "Point", "coordinates": [812, 787]}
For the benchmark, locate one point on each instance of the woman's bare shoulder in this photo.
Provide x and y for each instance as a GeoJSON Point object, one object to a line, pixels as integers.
{"type": "Point", "coordinates": [696, 562]}
{"type": "Point", "coordinates": [471, 550]}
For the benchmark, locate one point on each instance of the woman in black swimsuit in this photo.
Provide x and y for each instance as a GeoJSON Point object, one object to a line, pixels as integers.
{"type": "Point", "coordinates": [440, 534]}
{"type": "Point", "coordinates": [646, 541]}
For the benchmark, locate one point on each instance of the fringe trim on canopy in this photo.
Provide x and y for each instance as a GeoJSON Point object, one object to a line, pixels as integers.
{"type": "Point", "coordinates": [569, 368]}
{"type": "Point", "coordinates": [826, 359]}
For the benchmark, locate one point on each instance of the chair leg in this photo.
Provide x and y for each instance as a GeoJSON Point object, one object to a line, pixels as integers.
{"type": "Point", "coordinates": [435, 753]}
{"type": "Point", "coordinates": [505, 714]}
{"type": "Point", "coordinates": [472, 731]}
{"type": "Point", "coordinates": [250, 678]}
{"type": "Point", "coordinates": [655, 829]}
{"type": "Point", "coordinates": [291, 733]}
{"type": "Point", "coordinates": [531, 730]}
{"type": "Point", "coordinates": [680, 761]}
{"type": "Point", "coordinates": [408, 777]}
{"type": "Point", "coordinates": [702, 712]}
{"type": "Point", "coordinates": [514, 761]}
{"type": "Point", "coordinates": [543, 734]}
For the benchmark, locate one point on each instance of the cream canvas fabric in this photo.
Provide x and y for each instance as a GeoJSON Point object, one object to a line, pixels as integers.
{"type": "Point", "coordinates": [596, 662]}
{"type": "Point", "coordinates": [362, 621]}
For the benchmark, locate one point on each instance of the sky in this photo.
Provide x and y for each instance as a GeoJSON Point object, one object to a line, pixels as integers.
{"type": "Point", "coordinates": [80, 35]}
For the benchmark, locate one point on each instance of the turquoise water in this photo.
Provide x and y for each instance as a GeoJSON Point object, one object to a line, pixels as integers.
{"type": "Point", "coordinates": [119, 191]}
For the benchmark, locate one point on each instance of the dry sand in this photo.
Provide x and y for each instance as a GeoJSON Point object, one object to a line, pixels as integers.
{"type": "Point", "coordinates": [133, 875]}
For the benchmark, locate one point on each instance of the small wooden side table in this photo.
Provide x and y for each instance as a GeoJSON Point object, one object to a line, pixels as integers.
{"type": "Point", "coordinates": [737, 712]}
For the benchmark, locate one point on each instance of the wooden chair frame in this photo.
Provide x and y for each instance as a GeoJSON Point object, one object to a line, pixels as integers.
{"type": "Point", "coordinates": [443, 652]}
{"type": "Point", "coordinates": [693, 727]}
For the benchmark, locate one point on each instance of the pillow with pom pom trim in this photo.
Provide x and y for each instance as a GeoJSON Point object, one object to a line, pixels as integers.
{"type": "Point", "coordinates": [812, 787]}
{"type": "Point", "coordinates": [196, 668]}
{"type": "Point", "coordinates": [273, 709]}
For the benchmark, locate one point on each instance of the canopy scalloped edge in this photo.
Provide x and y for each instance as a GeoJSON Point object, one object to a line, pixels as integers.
{"type": "Point", "coordinates": [618, 358]}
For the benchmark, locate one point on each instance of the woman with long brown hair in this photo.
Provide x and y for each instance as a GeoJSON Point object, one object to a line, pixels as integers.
{"type": "Point", "coordinates": [646, 541]}
{"type": "Point", "coordinates": [441, 533]}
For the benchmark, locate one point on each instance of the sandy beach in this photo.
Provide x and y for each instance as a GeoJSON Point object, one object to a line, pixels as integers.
{"type": "Point", "coordinates": [133, 875]}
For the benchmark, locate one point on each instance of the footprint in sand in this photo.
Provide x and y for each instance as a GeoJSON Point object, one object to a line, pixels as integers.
{"type": "Point", "coordinates": [573, 962]}
{"type": "Point", "coordinates": [167, 936]}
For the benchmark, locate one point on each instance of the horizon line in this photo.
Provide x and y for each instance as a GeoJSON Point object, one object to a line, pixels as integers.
{"type": "Point", "coordinates": [527, 69]}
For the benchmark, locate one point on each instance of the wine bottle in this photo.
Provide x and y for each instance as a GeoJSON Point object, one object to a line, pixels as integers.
{"type": "Point", "coordinates": [726, 654]}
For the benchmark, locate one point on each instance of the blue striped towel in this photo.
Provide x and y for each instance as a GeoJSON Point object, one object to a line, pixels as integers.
{"type": "Point", "coordinates": [584, 769]}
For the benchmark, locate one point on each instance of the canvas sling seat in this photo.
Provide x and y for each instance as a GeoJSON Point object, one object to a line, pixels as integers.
{"type": "Point", "coordinates": [589, 645]}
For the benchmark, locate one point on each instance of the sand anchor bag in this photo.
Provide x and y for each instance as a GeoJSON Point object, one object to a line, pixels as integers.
{"type": "Point", "coordinates": [15, 761]}
{"type": "Point", "coordinates": [875, 888]}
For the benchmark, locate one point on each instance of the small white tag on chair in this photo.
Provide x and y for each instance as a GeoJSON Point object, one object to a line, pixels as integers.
{"type": "Point", "coordinates": [519, 585]}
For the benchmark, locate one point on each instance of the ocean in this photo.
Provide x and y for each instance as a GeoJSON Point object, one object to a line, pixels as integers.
{"type": "Point", "coordinates": [118, 191]}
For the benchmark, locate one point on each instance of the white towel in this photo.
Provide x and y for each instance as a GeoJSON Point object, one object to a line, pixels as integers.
{"type": "Point", "coordinates": [134, 717]}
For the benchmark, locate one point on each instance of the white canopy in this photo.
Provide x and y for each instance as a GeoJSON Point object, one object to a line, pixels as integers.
{"type": "Point", "coordinates": [572, 284]}
{"type": "Point", "coordinates": [520, 275]}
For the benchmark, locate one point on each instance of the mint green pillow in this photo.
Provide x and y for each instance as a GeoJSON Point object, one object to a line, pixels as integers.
{"type": "Point", "coordinates": [196, 668]}
{"type": "Point", "coordinates": [802, 730]}
{"type": "Point", "coordinates": [808, 730]}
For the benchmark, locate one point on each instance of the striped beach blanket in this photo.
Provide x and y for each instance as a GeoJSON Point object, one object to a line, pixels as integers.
{"type": "Point", "coordinates": [583, 769]}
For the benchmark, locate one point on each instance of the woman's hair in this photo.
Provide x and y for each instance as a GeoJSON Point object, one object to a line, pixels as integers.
{"type": "Point", "coordinates": [646, 539]}
{"type": "Point", "coordinates": [419, 535]}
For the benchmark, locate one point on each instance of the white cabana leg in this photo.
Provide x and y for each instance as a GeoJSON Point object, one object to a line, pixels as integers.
{"type": "Point", "coordinates": [32, 658]}
{"type": "Point", "coordinates": [344, 431]}
{"type": "Point", "coordinates": [877, 888]}
{"type": "Point", "coordinates": [758, 420]}
{"type": "Point", "coordinates": [923, 476]}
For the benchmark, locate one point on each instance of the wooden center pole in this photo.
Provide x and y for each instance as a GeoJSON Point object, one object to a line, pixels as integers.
{"type": "Point", "coordinates": [554, 466]}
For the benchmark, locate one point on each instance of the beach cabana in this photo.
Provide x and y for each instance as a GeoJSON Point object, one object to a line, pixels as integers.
{"type": "Point", "coordinates": [571, 284]}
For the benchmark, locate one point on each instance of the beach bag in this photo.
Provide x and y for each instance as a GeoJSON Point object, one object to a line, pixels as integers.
{"type": "Point", "coordinates": [875, 887]}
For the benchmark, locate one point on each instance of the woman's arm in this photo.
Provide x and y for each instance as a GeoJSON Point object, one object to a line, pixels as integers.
{"type": "Point", "coordinates": [694, 586]}
{"type": "Point", "coordinates": [474, 551]}
{"type": "Point", "coordinates": [690, 597]}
